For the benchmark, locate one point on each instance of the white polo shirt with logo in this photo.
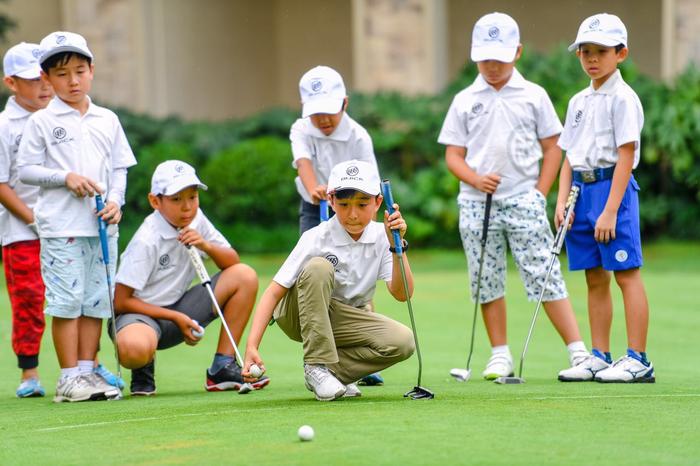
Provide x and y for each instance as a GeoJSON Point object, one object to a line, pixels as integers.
{"type": "Point", "coordinates": [156, 265]}
{"type": "Point", "coordinates": [348, 141]}
{"type": "Point", "coordinates": [12, 122]}
{"type": "Point", "coordinates": [91, 145]}
{"type": "Point", "coordinates": [501, 130]}
{"type": "Point", "coordinates": [358, 264]}
{"type": "Point", "coordinates": [599, 121]}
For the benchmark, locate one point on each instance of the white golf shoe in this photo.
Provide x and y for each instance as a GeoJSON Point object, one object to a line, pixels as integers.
{"type": "Point", "coordinates": [323, 383]}
{"type": "Point", "coordinates": [627, 370]}
{"type": "Point", "coordinates": [499, 365]}
{"type": "Point", "coordinates": [583, 368]}
{"type": "Point", "coordinates": [352, 391]}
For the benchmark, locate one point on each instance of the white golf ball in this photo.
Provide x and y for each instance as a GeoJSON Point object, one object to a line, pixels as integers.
{"type": "Point", "coordinates": [196, 333]}
{"type": "Point", "coordinates": [255, 371]}
{"type": "Point", "coordinates": [102, 186]}
{"type": "Point", "coordinates": [305, 433]}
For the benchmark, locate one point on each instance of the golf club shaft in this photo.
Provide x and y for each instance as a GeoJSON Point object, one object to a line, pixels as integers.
{"type": "Point", "coordinates": [556, 249]}
{"type": "Point", "coordinates": [102, 229]}
{"type": "Point", "coordinates": [477, 301]}
{"type": "Point", "coordinates": [389, 199]}
{"type": "Point", "coordinates": [206, 282]}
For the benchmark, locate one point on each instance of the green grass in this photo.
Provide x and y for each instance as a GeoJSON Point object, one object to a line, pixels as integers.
{"type": "Point", "coordinates": [541, 422]}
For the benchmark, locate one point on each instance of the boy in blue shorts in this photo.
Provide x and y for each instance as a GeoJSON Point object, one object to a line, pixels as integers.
{"type": "Point", "coordinates": [74, 149]}
{"type": "Point", "coordinates": [601, 137]}
{"type": "Point", "coordinates": [155, 305]}
{"type": "Point", "coordinates": [496, 131]}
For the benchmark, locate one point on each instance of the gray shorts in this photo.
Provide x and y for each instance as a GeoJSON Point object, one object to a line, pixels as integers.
{"type": "Point", "coordinates": [195, 304]}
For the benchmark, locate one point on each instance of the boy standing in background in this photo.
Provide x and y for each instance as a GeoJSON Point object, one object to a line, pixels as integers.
{"type": "Point", "coordinates": [496, 131]}
{"type": "Point", "coordinates": [601, 137]}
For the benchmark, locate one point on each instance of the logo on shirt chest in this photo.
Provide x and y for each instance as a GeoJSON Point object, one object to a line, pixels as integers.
{"type": "Point", "coordinates": [578, 118]}
{"type": "Point", "coordinates": [333, 259]}
{"type": "Point", "coordinates": [60, 134]}
{"type": "Point", "coordinates": [164, 262]}
{"type": "Point", "coordinates": [476, 111]}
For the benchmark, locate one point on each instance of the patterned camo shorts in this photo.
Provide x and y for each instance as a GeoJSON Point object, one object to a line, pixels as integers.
{"type": "Point", "coordinates": [519, 221]}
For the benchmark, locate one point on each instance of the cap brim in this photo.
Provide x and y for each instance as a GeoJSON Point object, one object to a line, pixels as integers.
{"type": "Point", "coordinates": [593, 38]}
{"type": "Point", "coordinates": [31, 73]}
{"type": "Point", "coordinates": [67, 48]}
{"type": "Point", "coordinates": [502, 54]}
{"type": "Point", "coordinates": [179, 186]}
{"type": "Point", "coordinates": [328, 106]}
{"type": "Point", "coordinates": [364, 189]}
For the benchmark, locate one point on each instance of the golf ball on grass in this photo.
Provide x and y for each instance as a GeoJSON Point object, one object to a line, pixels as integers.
{"type": "Point", "coordinates": [305, 433]}
{"type": "Point", "coordinates": [255, 371]}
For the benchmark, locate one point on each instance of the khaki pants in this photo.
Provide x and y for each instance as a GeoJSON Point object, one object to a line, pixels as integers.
{"type": "Point", "coordinates": [352, 342]}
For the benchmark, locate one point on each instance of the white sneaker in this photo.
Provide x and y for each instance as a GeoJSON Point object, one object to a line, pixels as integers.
{"type": "Point", "coordinates": [352, 391]}
{"type": "Point", "coordinates": [323, 383]}
{"type": "Point", "coordinates": [627, 370]}
{"type": "Point", "coordinates": [499, 365]}
{"type": "Point", "coordinates": [583, 368]}
{"type": "Point", "coordinates": [109, 391]}
{"type": "Point", "coordinates": [78, 388]}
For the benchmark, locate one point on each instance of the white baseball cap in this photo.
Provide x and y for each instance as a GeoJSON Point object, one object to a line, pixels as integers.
{"type": "Point", "coordinates": [62, 41]}
{"type": "Point", "coordinates": [496, 36]}
{"type": "Point", "coordinates": [603, 29]}
{"type": "Point", "coordinates": [172, 176]}
{"type": "Point", "coordinates": [22, 60]}
{"type": "Point", "coordinates": [322, 91]}
{"type": "Point", "coordinates": [354, 174]}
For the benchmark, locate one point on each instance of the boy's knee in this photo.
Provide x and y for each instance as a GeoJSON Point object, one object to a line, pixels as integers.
{"type": "Point", "coordinates": [404, 343]}
{"type": "Point", "coordinates": [244, 275]}
{"type": "Point", "coordinates": [317, 269]}
{"type": "Point", "coordinates": [136, 348]}
{"type": "Point", "coordinates": [597, 278]}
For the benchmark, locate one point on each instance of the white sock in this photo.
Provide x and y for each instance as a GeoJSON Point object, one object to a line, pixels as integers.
{"type": "Point", "coordinates": [86, 367]}
{"type": "Point", "coordinates": [503, 349]}
{"type": "Point", "coordinates": [575, 346]}
{"type": "Point", "coordinates": [69, 372]}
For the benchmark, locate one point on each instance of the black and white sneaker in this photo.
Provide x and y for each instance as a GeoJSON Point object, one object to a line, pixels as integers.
{"type": "Point", "coordinates": [230, 378]}
{"type": "Point", "coordinates": [143, 380]}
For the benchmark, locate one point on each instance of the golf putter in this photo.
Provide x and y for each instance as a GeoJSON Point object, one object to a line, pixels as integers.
{"type": "Point", "coordinates": [206, 282]}
{"type": "Point", "coordinates": [102, 229]}
{"type": "Point", "coordinates": [463, 375]}
{"type": "Point", "coordinates": [417, 392]}
{"type": "Point", "coordinates": [323, 210]}
{"type": "Point", "coordinates": [556, 249]}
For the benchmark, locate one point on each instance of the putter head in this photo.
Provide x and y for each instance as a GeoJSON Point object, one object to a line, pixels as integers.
{"type": "Point", "coordinates": [419, 393]}
{"type": "Point", "coordinates": [245, 389]}
{"type": "Point", "coordinates": [509, 380]}
{"type": "Point", "coordinates": [461, 375]}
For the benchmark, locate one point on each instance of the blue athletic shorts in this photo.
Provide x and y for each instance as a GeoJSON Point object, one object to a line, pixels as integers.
{"type": "Point", "coordinates": [622, 253]}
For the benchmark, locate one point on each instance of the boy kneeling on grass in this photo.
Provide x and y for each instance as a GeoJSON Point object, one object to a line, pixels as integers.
{"type": "Point", "coordinates": [155, 309]}
{"type": "Point", "coordinates": [321, 295]}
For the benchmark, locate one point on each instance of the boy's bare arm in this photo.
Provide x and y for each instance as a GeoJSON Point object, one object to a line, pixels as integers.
{"type": "Point", "coordinates": [396, 222]}
{"type": "Point", "coordinates": [551, 161]}
{"type": "Point", "coordinates": [261, 318]}
{"type": "Point", "coordinates": [15, 205]}
{"type": "Point", "coordinates": [308, 179]}
{"type": "Point", "coordinates": [607, 221]}
{"type": "Point", "coordinates": [125, 302]}
{"type": "Point", "coordinates": [223, 257]}
{"type": "Point", "coordinates": [457, 165]}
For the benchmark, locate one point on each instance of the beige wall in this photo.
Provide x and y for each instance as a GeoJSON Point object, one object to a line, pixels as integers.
{"type": "Point", "coordinates": [35, 19]}
{"type": "Point", "coordinates": [544, 23]}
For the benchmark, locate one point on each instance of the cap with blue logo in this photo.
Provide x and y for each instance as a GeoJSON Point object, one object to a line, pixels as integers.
{"type": "Point", "coordinates": [496, 36]}
{"type": "Point", "coordinates": [322, 91]}
{"type": "Point", "coordinates": [22, 60]}
{"type": "Point", "coordinates": [63, 41]}
{"type": "Point", "coordinates": [602, 29]}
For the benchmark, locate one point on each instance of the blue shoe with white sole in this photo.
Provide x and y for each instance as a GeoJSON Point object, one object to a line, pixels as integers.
{"type": "Point", "coordinates": [30, 388]}
{"type": "Point", "coordinates": [371, 380]}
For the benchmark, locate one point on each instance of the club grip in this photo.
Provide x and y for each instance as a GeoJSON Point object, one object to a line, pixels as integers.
{"type": "Point", "coordinates": [389, 200]}
{"type": "Point", "coordinates": [102, 229]}
{"type": "Point", "coordinates": [487, 217]}
{"type": "Point", "coordinates": [198, 265]}
{"type": "Point", "coordinates": [323, 210]}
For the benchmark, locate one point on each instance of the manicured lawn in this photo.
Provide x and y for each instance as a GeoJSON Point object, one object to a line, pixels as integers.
{"type": "Point", "coordinates": [540, 422]}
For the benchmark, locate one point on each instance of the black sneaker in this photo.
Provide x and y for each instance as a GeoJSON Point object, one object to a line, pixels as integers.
{"type": "Point", "coordinates": [143, 381]}
{"type": "Point", "coordinates": [229, 378]}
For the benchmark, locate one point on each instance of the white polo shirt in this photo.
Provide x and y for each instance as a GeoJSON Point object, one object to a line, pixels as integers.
{"type": "Point", "coordinates": [92, 145]}
{"type": "Point", "coordinates": [501, 131]}
{"type": "Point", "coordinates": [599, 121]}
{"type": "Point", "coordinates": [12, 122]}
{"type": "Point", "coordinates": [156, 265]}
{"type": "Point", "coordinates": [358, 264]}
{"type": "Point", "coordinates": [348, 141]}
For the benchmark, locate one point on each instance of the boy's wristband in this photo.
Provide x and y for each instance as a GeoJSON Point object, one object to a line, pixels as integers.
{"type": "Point", "coordinates": [404, 246]}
